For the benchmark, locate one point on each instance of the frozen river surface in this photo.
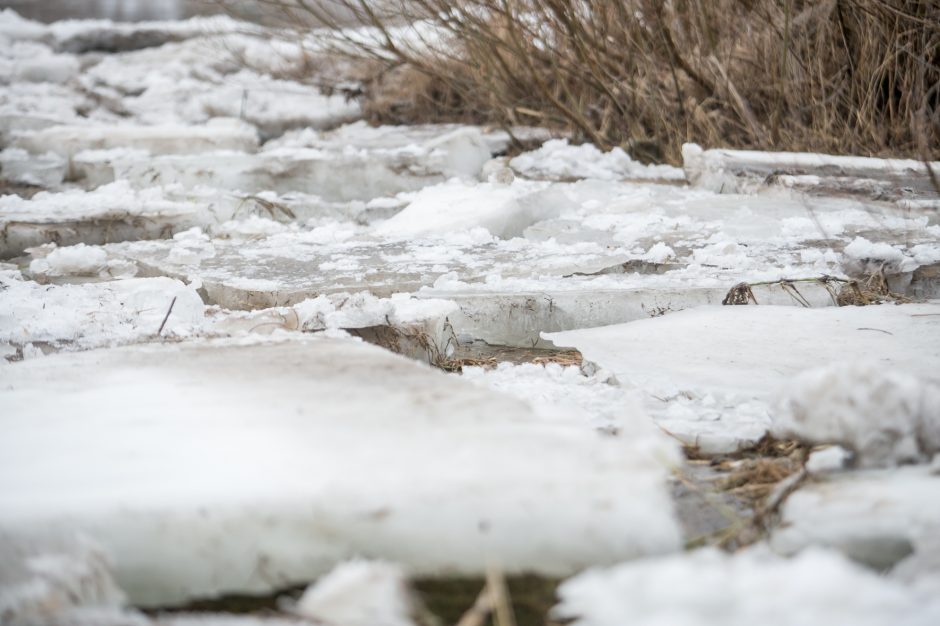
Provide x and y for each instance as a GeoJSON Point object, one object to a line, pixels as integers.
{"type": "Point", "coordinates": [248, 340]}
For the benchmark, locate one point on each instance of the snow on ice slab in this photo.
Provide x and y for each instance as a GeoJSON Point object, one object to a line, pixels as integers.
{"type": "Point", "coordinates": [288, 267]}
{"type": "Point", "coordinates": [115, 212]}
{"type": "Point", "coordinates": [215, 468]}
{"type": "Point", "coordinates": [718, 368]}
{"type": "Point", "coordinates": [95, 314]}
{"type": "Point", "coordinates": [711, 588]}
{"type": "Point", "coordinates": [877, 517]}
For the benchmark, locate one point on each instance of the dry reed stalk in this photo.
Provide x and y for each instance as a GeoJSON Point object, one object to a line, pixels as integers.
{"type": "Point", "coordinates": [845, 76]}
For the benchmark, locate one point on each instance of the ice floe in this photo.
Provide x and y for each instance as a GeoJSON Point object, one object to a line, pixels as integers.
{"type": "Point", "coordinates": [209, 468]}
{"type": "Point", "coordinates": [732, 361]}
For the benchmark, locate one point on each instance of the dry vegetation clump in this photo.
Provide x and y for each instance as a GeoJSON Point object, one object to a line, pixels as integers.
{"type": "Point", "coordinates": [849, 76]}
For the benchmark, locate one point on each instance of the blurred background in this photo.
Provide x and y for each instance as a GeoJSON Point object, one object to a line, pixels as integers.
{"type": "Point", "coordinates": [118, 10]}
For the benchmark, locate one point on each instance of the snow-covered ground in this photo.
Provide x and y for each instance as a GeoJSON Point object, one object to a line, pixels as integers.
{"type": "Point", "coordinates": [197, 239]}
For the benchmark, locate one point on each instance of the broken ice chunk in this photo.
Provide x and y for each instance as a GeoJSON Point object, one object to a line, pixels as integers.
{"type": "Point", "coordinates": [884, 416]}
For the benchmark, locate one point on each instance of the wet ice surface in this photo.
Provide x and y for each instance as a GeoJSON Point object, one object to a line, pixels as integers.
{"type": "Point", "coordinates": [186, 209]}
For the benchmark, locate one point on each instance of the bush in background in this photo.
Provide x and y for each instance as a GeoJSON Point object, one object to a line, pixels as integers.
{"type": "Point", "coordinates": [841, 76]}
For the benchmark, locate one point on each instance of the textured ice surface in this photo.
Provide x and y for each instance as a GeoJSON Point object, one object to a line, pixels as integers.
{"type": "Point", "coordinates": [709, 587]}
{"type": "Point", "coordinates": [566, 394]}
{"type": "Point", "coordinates": [95, 314]}
{"type": "Point", "coordinates": [877, 517]}
{"type": "Point", "coordinates": [251, 467]}
{"type": "Point", "coordinates": [716, 370]}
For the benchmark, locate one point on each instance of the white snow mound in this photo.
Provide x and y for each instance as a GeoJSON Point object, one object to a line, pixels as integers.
{"type": "Point", "coordinates": [886, 417]}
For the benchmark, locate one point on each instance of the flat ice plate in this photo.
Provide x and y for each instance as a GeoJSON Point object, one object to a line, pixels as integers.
{"type": "Point", "coordinates": [214, 467]}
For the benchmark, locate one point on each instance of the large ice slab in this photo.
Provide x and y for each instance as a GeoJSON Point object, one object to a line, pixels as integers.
{"type": "Point", "coordinates": [877, 517]}
{"type": "Point", "coordinates": [325, 165]}
{"type": "Point", "coordinates": [716, 370]}
{"type": "Point", "coordinates": [734, 171]}
{"type": "Point", "coordinates": [288, 267]}
{"type": "Point", "coordinates": [115, 212]}
{"type": "Point", "coordinates": [213, 467]}
{"type": "Point", "coordinates": [707, 587]}
{"type": "Point", "coordinates": [67, 141]}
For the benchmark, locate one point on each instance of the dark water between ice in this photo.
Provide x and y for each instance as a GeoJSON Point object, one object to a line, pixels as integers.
{"type": "Point", "coordinates": [117, 10]}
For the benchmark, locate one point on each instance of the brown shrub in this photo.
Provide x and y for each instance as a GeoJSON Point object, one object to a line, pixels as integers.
{"type": "Point", "coordinates": [856, 76]}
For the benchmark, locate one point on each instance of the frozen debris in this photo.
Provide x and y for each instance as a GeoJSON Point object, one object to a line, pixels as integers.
{"type": "Point", "coordinates": [708, 587]}
{"type": "Point", "coordinates": [41, 170]}
{"type": "Point", "coordinates": [557, 160]}
{"type": "Point", "coordinates": [216, 134]}
{"type": "Point", "coordinates": [90, 315]}
{"type": "Point", "coordinates": [359, 593]}
{"type": "Point", "coordinates": [247, 467]}
{"type": "Point", "coordinates": [744, 171]}
{"type": "Point", "coordinates": [876, 517]}
{"type": "Point", "coordinates": [883, 415]}
{"type": "Point", "coordinates": [712, 371]}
